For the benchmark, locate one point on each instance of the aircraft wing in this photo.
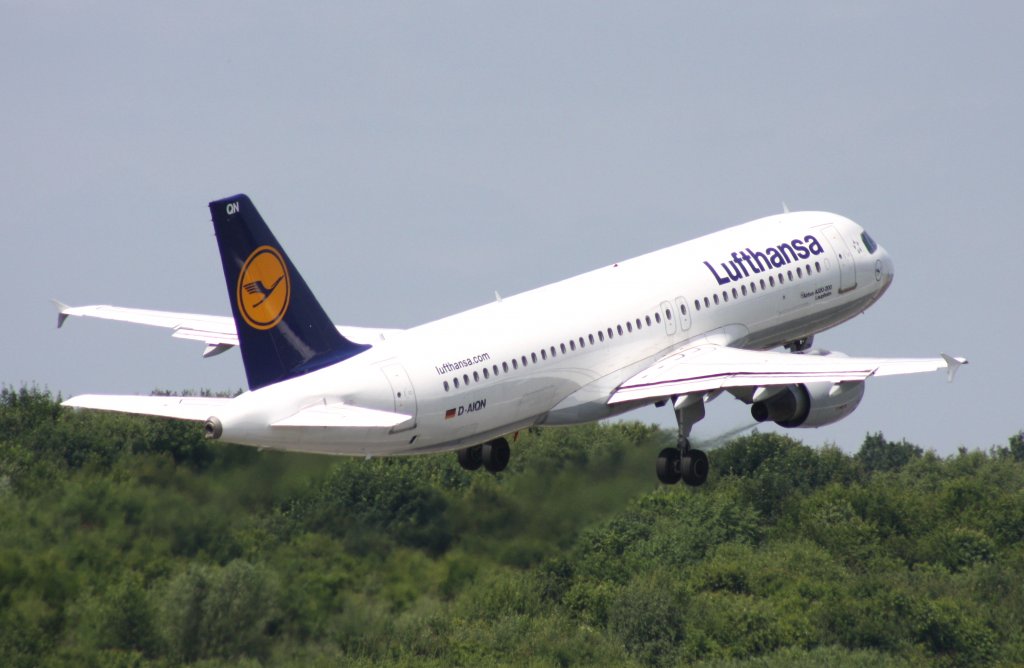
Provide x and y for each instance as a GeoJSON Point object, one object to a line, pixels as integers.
{"type": "Point", "coordinates": [217, 332]}
{"type": "Point", "coordinates": [710, 367]}
{"type": "Point", "coordinates": [183, 408]}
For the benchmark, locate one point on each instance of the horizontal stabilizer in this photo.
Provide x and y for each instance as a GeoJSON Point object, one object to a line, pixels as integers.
{"type": "Point", "coordinates": [342, 416]}
{"type": "Point", "coordinates": [183, 408]}
{"type": "Point", "coordinates": [217, 332]}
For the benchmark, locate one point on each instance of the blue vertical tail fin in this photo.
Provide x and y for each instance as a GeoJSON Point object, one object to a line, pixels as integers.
{"type": "Point", "coordinates": [283, 332]}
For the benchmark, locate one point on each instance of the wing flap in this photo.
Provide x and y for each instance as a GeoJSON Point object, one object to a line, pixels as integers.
{"type": "Point", "coordinates": [342, 416]}
{"type": "Point", "coordinates": [183, 408]}
{"type": "Point", "coordinates": [706, 368]}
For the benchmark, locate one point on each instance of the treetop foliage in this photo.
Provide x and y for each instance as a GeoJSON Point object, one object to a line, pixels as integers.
{"type": "Point", "coordinates": [131, 541]}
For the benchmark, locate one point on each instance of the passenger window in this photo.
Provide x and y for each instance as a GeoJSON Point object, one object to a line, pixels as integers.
{"type": "Point", "coordinates": [533, 356]}
{"type": "Point", "coordinates": [515, 365]}
{"type": "Point", "coordinates": [572, 345]}
{"type": "Point", "coordinates": [465, 379]}
{"type": "Point", "coordinates": [543, 354]}
{"type": "Point", "coordinates": [647, 319]}
{"type": "Point", "coordinates": [446, 387]}
{"type": "Point", "coordinates": [476, 377]}
{"type": "Point", "coordinates": [455, 382]}
{"type": "Point", "coordinates": [486, 373]}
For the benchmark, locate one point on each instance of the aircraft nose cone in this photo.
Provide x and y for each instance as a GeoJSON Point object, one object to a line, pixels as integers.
{"type": "Point", "coordinates": [884, 271]}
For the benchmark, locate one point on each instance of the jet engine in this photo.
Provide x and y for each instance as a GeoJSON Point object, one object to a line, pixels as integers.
{"type": "Point", "coordinates": [809, 405]}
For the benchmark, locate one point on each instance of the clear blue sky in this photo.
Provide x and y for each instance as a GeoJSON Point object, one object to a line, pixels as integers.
{"type": "Point", "coordinates": [416, 157]}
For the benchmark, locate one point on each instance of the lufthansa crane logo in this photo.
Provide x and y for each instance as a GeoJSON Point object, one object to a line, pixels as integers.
{"type": "Point", "coordinates": [264, 288]}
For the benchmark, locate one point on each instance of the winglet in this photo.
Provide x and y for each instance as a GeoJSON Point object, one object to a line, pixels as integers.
{"type": "Point", "coordinates": [953, 364]}
{"type": "Point", "coordinates": [62, 312]}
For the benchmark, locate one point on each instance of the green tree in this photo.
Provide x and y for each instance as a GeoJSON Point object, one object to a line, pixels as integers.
{"type": "Point", "coordinates": [128, 618]}
{"type": "Point", "coordinates": [225, 612]}
{"type": "Point", "coordinates": [360, 499]}
{"type": "Point", "coordinates": [878, 454]}
{"type": "Point", "coordinates": [647, 616]}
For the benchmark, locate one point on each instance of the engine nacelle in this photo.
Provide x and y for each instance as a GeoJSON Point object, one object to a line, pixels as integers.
{"type": "Point", "coordinates": [810, 405]}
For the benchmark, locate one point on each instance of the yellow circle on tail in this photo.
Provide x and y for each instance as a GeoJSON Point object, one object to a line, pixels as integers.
{"type": "Point", "coordinates": [264, 288]}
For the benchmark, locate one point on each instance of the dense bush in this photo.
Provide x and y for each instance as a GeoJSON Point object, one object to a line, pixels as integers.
{"type": "Point", "coordinates": [131, 541]}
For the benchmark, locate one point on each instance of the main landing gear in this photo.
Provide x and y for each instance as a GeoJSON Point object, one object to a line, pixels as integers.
{"type": "Point", "coordinates": [493, 456]}
{"type": "Point", "coordinates": [683, 462]}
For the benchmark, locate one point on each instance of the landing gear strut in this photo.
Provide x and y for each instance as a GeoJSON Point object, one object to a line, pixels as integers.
{"type": "Point", "coordinates": [493, 456]}
{"type": "Point", "coordinates": [683, 462]}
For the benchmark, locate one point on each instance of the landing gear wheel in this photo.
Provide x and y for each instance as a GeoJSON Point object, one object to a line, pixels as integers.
{"type": "Point", "coordinates": [668, 466]}
{"type": "Point", "coordinates": [471, 458]}
{"type": "Point", "coordinates": [495, 455]}
{"type": "Point", "coordinates": [800, 345]}
{"type": "Point", "coordinates": [694, 467]}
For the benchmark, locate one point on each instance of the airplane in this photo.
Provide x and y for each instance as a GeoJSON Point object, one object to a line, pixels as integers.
{"type": "Point", "coordinates": [735, 311]}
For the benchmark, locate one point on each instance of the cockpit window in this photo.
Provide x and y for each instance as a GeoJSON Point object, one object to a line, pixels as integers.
{"type": "Point", "coordinates": [869, 243]}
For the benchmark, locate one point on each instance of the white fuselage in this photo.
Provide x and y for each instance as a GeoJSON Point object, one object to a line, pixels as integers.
{"type": "Point", "coordinates": [555, 354]}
